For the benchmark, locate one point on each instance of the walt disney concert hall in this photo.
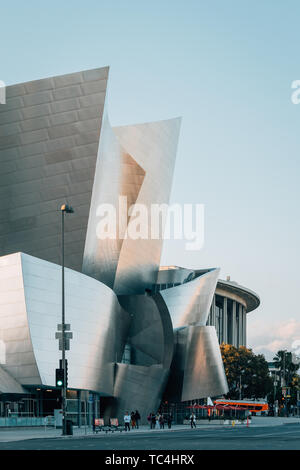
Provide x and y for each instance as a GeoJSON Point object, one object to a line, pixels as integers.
{"type": "Point", "coordinates": [142, 333]}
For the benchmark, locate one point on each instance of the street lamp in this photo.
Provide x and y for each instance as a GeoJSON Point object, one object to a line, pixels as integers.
{"type": "Point", "coordinates": [65, 209]}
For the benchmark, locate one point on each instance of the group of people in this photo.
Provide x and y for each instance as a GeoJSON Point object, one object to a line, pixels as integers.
{"type": "Point", "coordinates": [132, 420]}
{"type": "Point", "coordinates": [158, 420]}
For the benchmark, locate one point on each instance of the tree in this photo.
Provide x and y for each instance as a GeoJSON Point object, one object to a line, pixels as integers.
{"type": "Point", "coordinates": [284, 362]}
{"type": "Point", "coordinates": [247, 374]}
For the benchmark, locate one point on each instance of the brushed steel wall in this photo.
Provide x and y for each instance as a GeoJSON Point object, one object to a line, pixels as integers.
{"type": "Point", "coordinates": [190, 302]}
{"type": "Point", "coordinates": [49, 137]}
{"type": "Point", "coordinates": [204, 374]}
{"type": "Point", "coordinates": [8, 384]}
{"type": "Point", "coordinates": [137, 387]}
{"type": "Point", "coordinates": [197, 370]}
{"type": "Point", "coordinates": [174, 275]}
{"type": "Point", "coordinates": [151, 334]}
{"type": "Point", "coordinates": [153, 146]}
{"type": "Point", "coordinates": [30, 311]}
{"type": "Point", "coordinates": [19, 359]}
{"type": "Point", "coordinates": [117, 174]}
{"type": "Point", "coordinates": [57, 145]}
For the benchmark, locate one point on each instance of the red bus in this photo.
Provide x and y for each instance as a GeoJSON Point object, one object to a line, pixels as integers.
{"type": "Point", "coordinates": [253, 406]}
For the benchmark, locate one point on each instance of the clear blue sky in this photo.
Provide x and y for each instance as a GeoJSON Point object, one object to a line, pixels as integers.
{"type": "Point", "coordinates": [226, 67]}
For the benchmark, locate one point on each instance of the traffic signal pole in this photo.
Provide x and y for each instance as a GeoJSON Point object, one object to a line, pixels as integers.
{"type": "Point", "coordinates": [64, 388]}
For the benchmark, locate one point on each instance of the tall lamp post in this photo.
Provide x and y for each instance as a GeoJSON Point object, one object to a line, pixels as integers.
{"type": "Point", "coordinates": [65, 209]}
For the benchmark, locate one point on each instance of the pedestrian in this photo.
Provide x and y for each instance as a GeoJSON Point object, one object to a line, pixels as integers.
{"type": "Point", "coordinates": [153, 421]}
{"type": "Point", "coordinates": [193, 420]}
{"type": "Point", "coordinates": [137, 418]}
{"type": "Point", "coordinates": [157, 417]}
{"type": "Point", "coordinates": [133, 424]}
{"type": "Point", "coordinates": [127, 420]}
{"type": "Point", "coordinates": [162, 422]}
{"type": "Point", "coordinates": [169, 420]}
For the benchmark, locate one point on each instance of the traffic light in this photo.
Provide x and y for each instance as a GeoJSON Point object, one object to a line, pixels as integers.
{"type": "Point", "coordinates": [59, 378]}
{"type": "Point", "coordinates": [61, 367]}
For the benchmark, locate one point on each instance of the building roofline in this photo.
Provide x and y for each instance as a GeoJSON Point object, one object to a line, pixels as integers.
{"type": "Point", "coordinates": [251, 299]}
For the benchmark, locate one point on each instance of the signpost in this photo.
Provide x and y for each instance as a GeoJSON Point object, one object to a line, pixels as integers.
{"type": "Point", "coordinates": [63, 334]}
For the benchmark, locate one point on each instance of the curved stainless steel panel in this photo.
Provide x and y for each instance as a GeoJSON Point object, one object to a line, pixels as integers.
{"type": "Point", "coordinates": [197, 369]}
{"type": "Point", "coordinates": [189, 303]}
{"type": "Point", "coordinates": [117, 174]}
{"type": "Point", "coordinates": [138, 387]}
{"type": "Point", "coordinates": [204, 374]}
{"type": "Point", "coordinates": [8, 384]}
{"type": "Point", "coordinates": [18, 355]}
{"type": "Point", "coordinates": [174, 275]}
{"type": "Point", "coordinates": [98, 323]}
{"type": "Point", "coordinates": [151, 334]}
{"type": "Point", "coordinates": [153, 146]}
{"type": "Point", "coordinates": [49, 137]}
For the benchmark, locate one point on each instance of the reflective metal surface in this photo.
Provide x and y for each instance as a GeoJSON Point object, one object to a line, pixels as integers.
{"type": "Point", "coordinates": [174, 275]}
{"type": "Point", "coordinates": [138, 387]}
{"type": "Point", "coordinates": [197, 369]}
{"type": "Point", "coordinates": [49, 137]}
{"type": "Point", "coordinates": [28, 325]}
{"type": "Point", "coordinates": [8, 384]}
{"type": "Point", "coordinates": [151, 334]}
{"type": "Point", "coordinates": [153, 146]}
{"type": "Point", "coordinates": [18, 359]}
{"type": "Point", "coordinates": [190, 302]}
{"type": "Point", "coordinates": [117, 174]}
{"type": "Point", "coordinates": [203, 372]}
{"type": "Point", "coordinates": [57, 145]}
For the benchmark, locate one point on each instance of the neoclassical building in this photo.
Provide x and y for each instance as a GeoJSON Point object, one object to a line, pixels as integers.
{"type": "Point", "coordinates": [140, 331]}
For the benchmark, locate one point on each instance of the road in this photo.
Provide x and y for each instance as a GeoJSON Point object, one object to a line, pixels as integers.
{"type": "Point", "coordinates": [282, 437]}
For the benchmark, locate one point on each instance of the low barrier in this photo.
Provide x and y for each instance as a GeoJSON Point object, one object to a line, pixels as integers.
{"type": "Point", "coordinates": [22, 422]}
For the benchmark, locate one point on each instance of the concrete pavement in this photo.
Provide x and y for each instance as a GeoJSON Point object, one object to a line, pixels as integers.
{"type": "Point", "coordinates": [257, 437]}
{"type": "Point", "coordinates": [19, 434]}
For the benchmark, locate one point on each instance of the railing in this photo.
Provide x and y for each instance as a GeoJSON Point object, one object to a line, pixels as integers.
{"type": "Point", "coordinates": [14, 421]}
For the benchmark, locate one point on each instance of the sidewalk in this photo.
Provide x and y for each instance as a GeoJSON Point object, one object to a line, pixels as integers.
{"type": "Point", "coordinates": [20, 434]}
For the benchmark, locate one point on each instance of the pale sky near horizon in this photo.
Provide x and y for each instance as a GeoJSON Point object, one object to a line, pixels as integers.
{"type": "Point", "coordinates": [226, 67]}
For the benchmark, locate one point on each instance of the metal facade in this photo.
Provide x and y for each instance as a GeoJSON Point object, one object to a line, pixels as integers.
{"type": "Point", "coordinates": [56, 146]}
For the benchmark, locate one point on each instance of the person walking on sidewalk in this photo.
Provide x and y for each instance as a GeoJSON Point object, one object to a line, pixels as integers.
{"type": "Point", "coordinates": [137, 418]}
{"type": "Point", "coordinates": [193, 420]}
{"type": "Point", "coordinates": [133, 423]}
{"type": "Point", "coordinates": [162, 421]}
{"type": "Point", "coordinates": [127, 419]}
{"type": "Point", "coordinates": [169, 420]}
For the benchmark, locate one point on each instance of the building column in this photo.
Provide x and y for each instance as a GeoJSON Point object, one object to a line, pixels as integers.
{"type": "Point", "coordinates": [224, 326]}
{"type": "Point", "coordinates": [79, 408]}
{"type": "Point", "coordinates": [241, 317]}
{"type": "Point", "coordinates": [233, 324]}
{"type": "Point", "coordinates": [238, 324]}
{"type": "Point", "coordinates": [213, 311]}
{"type": "Point", "coordinates": [245, 327]}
